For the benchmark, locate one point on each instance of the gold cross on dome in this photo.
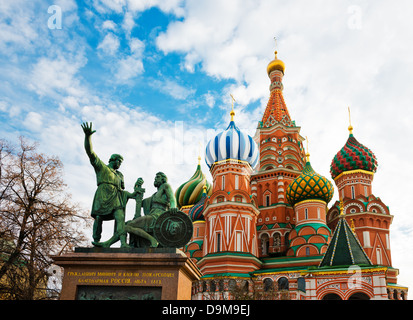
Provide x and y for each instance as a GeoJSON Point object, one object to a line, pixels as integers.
{"type": "Point", "coordinates": [350, 127]}
{"type": "Point", "coordinates": [275, 47]}
{"type": "Point", "coordinates": [232, 113]}
{"type": "Point", "coordinates": [308, 153]}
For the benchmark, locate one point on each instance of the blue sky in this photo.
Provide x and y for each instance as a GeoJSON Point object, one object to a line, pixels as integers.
{"type": "Point", "coordinates": [154, 76]}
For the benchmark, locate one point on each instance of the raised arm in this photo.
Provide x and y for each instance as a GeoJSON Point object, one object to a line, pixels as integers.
{"type": "Point", "coordinates": [87, 129]}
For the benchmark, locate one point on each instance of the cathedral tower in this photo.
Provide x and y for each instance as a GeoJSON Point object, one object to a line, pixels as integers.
{"type": "Point", "coordinates": [353, 169]}
{"type": "Point", "coordinates": [230, 241]}
{"type": "Point", "coordinates": [281, 160]}
{"type": "Point", "coordinates": [309, 194]}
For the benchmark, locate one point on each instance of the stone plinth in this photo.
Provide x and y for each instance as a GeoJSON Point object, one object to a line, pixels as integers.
{"type": "Point", "coordinates": [127, 274]}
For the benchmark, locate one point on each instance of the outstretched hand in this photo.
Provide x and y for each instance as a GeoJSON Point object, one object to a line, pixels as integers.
{"type": "Point", "coordinates": [87, 128]}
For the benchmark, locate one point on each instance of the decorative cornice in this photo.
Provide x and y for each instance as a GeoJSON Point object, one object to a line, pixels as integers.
{"type": "Point", "coordinates": [342, 271]}
{"type": "Point", "coordinates": [311, 200]}
{"type": "Point", "coordinates": [352, 172]}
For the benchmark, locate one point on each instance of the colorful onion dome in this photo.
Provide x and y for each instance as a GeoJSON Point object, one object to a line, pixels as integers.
{"type": "Point", "coordinates": [196, 212]}
{"type": "Point", "coordinates": [275, 64]}
{"type": "Point", "coordinates": [190, 192]}
{"type": "Point", "coordinates": [231, 144]}
{"type": "Point", "coordinates": [309, 186]}
{"type": "Point", "coordinates": [353, 156]}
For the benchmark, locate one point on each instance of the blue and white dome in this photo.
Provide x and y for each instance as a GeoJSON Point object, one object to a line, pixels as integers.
{"type": "Point", "coordinates": [231, 144]}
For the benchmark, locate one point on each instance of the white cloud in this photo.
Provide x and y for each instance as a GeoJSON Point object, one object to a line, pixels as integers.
{"type": "Point", "coordinates": [105, 6]}
{"type": "Point", "coordinates": [136, 46]}
{"type": "Point", "coordinates": [128, 22]}
{"type": "Point", "coordinates": [17, 31]}
{"type": "Point", "coordinates": [168, 6]}
{"type": "Point", "coordinates": [209, 99]}
{"type": "Point", "coordinates": [129, 65]}
{"type": "Point", "coordinates": [52, 77]}
{"type": "Point", "coordinates": [172, 88]}
{"type": "Point", "coordinates": [128, 68]}
{"type": "Point", "coordinates": [110, 44]}
{"type": "Point", "coordinates": [109, 25]}
{"type": "Point", "coordinates": [33, 121]}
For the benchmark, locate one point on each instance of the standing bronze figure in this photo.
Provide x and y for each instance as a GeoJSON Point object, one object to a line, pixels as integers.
{"type": "Point", "coordinates": [110, 198]}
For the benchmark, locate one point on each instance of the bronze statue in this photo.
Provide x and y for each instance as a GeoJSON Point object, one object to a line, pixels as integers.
{"type": "Point", "coordinates": [153, 207]}
{"type": "Point", "coordinates": [110, 198]}
{"type": "Point", "coordinates": [162, 222]}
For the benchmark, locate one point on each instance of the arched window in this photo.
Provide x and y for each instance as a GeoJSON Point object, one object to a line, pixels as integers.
{"type": "Point", "coordinates": [378, 256]}
{"type": "Point", "coordinates": [286, 241]}
{"type": "Point", "coordinates": [212, 286]}
{"type": "Point", "coordinates": [283, 283]}
{"type": "Point", "coordinates": [245, 286]}
{"type": "Point", "coordinates": [359, 296]}
{"type": "Point", "coordinates": [232, 285]}
{"type": "Point", "coordinates": [277, 241]}
{"type": "Point", "coordinates": [265, 243]}
{"type": "Point", "coordinates": [268, 284]}
{"type": "Point", "coordinates": [221, 285]}
{"type": "Point", "coordinates": [218, 244]}
{"type": "Point", "coordinates": [267, 200]}
{"type": "Point", "coordinates": [332, 296]}
{"type": "Point", "coordinates": [301, 284]}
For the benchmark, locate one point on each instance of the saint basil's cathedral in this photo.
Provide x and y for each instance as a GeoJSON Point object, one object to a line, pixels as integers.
{"type": "Point", "coordinates": [264, 229]}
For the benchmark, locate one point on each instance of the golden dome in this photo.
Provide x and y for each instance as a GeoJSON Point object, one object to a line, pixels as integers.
{"type": "Point", "coordinates": [276, 64]}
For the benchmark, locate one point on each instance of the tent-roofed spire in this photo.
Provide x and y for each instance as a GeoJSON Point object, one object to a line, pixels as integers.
{"type": "Point", "coordinates": [276, 110]}
{"type": "Point", "coordinates": [344, 248]}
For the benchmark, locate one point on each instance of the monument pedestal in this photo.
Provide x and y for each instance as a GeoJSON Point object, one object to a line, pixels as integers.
{"type": "Point", "coordinates": [127, 274]}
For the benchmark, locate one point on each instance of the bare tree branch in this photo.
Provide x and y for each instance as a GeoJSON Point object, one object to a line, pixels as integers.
{"type": "Point", "coordinates": [37, 217]}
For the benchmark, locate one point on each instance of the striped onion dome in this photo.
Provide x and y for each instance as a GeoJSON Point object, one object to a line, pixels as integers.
{"type": "Point", "coordinates": [231, 144]}
{"type": "Point", "coordinates": [196, 212]}
{"type": "Point", "coordinates": [353, 156]}
{"type": "Point", "coordinates": [309, 186]}
{"type": "Point", "coordinates": [190, 192]}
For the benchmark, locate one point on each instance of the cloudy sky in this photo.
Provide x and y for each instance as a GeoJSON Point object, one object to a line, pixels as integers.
{"type": "Point", "coordinates": [155, 77]}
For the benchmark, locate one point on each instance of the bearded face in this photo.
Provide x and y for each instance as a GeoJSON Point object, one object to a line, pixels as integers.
{"type": "Point", "coordinates": [116, 164]}
{"type": "Point", "coordinates": [158, 181]}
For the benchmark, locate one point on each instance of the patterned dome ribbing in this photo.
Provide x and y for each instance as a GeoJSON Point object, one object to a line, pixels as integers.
{"type": "Point", "coordinates": [309, 186]}
{"type": "Point", "coordinates": [196, 212]}
{"type": "Point", "coordinates": [190, 192]}
{"type": "Point", "coordinates": [353, 156]}
{"type": "Point", "coordinates": [231, 144]}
